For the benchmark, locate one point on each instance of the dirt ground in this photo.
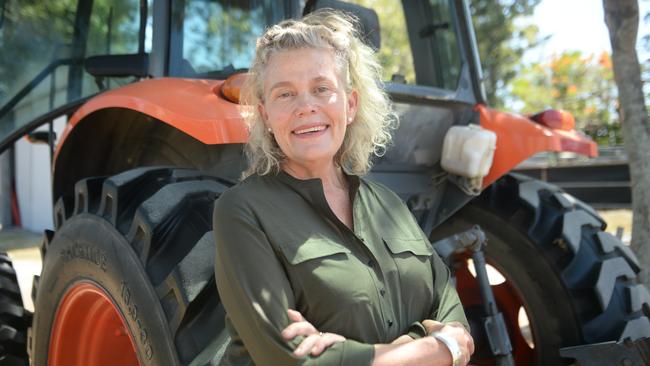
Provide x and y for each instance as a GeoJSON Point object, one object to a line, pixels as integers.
{"type": "Point", "coordinates": [615, 219]}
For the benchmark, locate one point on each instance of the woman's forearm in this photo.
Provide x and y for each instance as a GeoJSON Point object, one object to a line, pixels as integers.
{"type": "Point", "coordinates": [423, 351]}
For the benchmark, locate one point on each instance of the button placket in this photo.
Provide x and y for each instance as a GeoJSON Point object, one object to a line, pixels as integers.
{"type": "Point", "coordinates": [387, 312]}
{"type": "Point", "coordinates": [375, 268]}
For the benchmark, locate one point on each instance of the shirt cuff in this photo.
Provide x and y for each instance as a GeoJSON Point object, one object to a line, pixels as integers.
{"type": "Point", "coordinates": [357, 353]}
{"type": "Point", "coordinates": [417, 330]}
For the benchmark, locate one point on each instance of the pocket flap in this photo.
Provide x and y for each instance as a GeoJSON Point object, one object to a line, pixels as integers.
{"type": "Point", "coordinates": [415, 246]}
{"type": "Point", "coordinates": [311, 249]}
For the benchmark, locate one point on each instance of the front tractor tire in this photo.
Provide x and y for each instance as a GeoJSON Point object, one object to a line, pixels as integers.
{"type": "Point", "coordinates": [576, 283]}
{"type": "Point", "coordinates": [128, 275]}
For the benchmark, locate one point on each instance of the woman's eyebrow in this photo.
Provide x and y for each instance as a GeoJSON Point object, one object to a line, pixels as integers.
{"type": "Point", "coordinates": [279, 84]}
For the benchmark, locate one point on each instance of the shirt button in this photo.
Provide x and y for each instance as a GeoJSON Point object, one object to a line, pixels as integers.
{"type": "Point", "coordinates": [382, 292]}
{"type": "Point", "coordinates": [390, 323]}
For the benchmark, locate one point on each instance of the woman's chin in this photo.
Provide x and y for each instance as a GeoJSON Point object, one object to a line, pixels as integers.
{"type": "Point", "coordinates": [313, 157]}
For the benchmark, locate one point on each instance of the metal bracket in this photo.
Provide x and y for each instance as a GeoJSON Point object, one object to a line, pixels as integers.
{"type": "Point", "coordinates": [624, 353]}
{"type": "Point", "coordinates": [494, 323]}
{"type": "Point", "coordinates": [472, 239]}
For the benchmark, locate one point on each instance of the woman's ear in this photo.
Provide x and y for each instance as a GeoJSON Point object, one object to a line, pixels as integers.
{"type": "Point", "coordinates": [353, 105]}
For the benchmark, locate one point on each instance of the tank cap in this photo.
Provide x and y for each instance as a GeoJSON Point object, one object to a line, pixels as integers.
{"type": "Point", "coordinates": [231, 88]}
{"type": "Point", "coordinates": [556, 119]}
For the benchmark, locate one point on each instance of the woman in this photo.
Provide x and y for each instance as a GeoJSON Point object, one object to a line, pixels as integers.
{"type": "Point", "coordinates": [314, 264]}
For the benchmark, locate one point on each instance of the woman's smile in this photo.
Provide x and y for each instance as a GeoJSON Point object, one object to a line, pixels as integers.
{"type": "Point", "coordinates": [310, 131]}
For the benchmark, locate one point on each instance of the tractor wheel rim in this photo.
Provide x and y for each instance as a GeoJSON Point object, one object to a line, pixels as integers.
{"type": "Point", "coordinates": [89, 329]}
{"type": "Point", "coordinates": [509, 301]}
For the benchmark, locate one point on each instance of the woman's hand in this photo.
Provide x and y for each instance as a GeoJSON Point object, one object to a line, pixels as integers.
{"type": "Point", "coordinates": [455, 330]}
{"type": "Point", "coordinates": [314, 342]}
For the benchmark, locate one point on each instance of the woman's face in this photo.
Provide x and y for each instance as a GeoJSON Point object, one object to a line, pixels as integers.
{"type": "Point", "coordinates": [306, 106]}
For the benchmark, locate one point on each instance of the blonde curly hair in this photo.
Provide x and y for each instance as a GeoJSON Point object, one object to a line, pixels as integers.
{"type": "Point", "coordinates": [368, 134]}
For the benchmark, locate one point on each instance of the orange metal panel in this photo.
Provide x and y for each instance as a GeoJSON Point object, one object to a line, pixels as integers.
{"type": "Point", "coordinates": [519, 138]}
{"type": "Point", "coordinates": [193, 106]}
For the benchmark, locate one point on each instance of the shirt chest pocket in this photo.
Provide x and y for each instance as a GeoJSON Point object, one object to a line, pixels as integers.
{"type": "Point", "coordinates": [316, 262]}
{"type": "Point", "coordinates": [313, 249]}
{"type": "Point", "coordinates": [324, 272]}
{"type": "Point", "coordinates": [402, 247]}
{"type": "Point", "coordinates": [412, 259]}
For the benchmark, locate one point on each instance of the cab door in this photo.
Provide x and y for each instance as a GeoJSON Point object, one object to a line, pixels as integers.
{"type": "Point", "coordinates": [43, 47]}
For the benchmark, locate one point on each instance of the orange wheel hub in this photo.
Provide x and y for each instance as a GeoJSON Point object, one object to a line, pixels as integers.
{"type": "Point", "coordinates": [509, 301]}
{"type": "Point", "coordinates": [88, 329]}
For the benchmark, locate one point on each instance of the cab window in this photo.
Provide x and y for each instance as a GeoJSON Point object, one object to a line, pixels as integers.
{"type": "Point", "coordinates": [418, 42]}
{"type": "Point", "coordinates": [218, 37]}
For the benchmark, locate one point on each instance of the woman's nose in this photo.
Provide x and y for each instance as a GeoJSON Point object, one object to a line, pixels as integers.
{"type": "Point", "coordinates": [305, 104]}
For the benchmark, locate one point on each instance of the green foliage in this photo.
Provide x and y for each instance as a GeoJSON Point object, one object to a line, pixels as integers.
{"type": "Point", "coordinates": [582, 85]}
{"type": "Point", "coordinates": [395, 54]}
{"type": "Point", "coordinates": [502, 41]}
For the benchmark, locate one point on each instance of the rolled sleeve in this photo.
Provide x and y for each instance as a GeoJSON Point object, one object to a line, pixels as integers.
{"type": "Point", "coordinates": [256, 293]}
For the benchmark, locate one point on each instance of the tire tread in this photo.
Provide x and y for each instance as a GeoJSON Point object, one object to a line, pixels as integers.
{"type": "Point", "coordinates": [593, 265]}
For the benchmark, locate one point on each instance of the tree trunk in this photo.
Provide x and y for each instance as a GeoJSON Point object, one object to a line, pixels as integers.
{"type": "Point", "coordinates": [622, 19]}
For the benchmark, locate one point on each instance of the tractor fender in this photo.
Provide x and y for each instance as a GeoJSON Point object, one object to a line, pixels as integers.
{"type": "Point", "coordinates": [193, 106]}
{"type": "Point", "coordinates": [519, 138]}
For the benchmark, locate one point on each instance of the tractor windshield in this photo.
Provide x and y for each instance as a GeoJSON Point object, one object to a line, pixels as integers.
{"type": "Point", "coordinates": [212, 39]}
{"type": "Point", "coordinates": [43, 45]}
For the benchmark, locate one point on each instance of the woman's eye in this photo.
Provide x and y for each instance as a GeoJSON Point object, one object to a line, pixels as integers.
{"type": "Point", "coordinates": [322, 89]}
{"type": "Point", "coordinates": [284, 95]}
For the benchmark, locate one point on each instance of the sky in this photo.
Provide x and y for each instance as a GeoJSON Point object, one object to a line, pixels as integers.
{"type": "Point", "coordinates": [576, 25]}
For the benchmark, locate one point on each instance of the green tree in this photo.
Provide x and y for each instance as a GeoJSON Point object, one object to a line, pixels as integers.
{"type": "Point", "coordinates": [502, 40]}
{"type": "Point", "coordinates": [395, 54]}
{"type": "Point", "coordinates": [582, 85]}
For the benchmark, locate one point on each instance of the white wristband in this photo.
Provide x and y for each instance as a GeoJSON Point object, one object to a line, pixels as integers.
{"type": "Point", "coordinates": [451, 344]}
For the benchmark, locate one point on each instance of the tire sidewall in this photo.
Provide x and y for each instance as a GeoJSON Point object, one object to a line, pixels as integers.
{"type": "Point", "coordinates": [87, 248]}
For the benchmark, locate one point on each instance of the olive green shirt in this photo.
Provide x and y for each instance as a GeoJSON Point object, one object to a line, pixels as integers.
{"type": "Point", "coordinates": [280, 246]}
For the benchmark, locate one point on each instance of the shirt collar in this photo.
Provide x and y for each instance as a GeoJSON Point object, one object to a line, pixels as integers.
{"type": "Point", "coordinates": [311, 190]}
{"type": "Point", "coordinates": [315, 185]}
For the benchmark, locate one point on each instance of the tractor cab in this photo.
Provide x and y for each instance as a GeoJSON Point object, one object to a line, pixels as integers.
{"type": "Point", "coordinates": [54, 57]}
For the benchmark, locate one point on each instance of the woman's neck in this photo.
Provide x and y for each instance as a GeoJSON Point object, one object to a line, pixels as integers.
{"type": "Point", "coordinates": [332, 176]}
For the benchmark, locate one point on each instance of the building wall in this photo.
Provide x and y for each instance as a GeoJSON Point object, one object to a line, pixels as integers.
{"type": "Point", "coordinates": [34, 181]}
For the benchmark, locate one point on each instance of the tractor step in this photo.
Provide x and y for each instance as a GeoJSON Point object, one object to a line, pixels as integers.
{"type": "Point", "coordinates": [622, 353]}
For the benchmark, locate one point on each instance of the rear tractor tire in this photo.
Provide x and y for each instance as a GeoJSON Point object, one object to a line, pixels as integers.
{"type": "Point", "coordinates": [128, 275]}
{"type": "Point", "coordinates": [14, 319]}
{"type": "Point", "coordinates": [576, 283]}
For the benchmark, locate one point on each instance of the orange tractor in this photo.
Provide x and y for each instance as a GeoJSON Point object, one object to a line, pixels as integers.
{"type": "Point", "coordinates": [153, 135]}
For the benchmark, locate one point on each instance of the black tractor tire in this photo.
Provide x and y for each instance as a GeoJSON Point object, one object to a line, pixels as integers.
{"type": "Point", "coordinates": [578, 283]}
{"type": "Point", "coordinates": [14, 319]}
{"type": "Point", "coordinates": [144, 237]}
